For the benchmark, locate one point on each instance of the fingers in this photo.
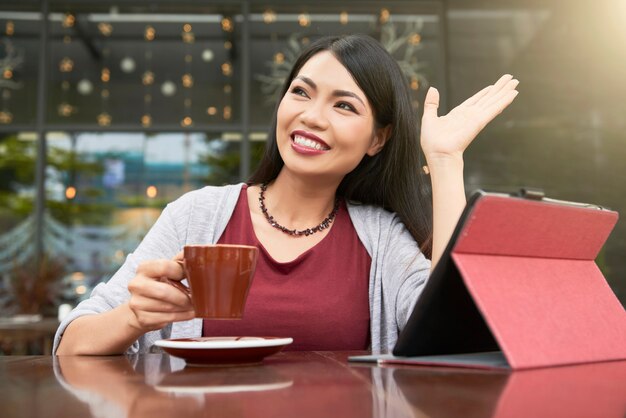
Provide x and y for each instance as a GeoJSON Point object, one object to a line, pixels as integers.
{"type": "Point", "coordinates": [148, 303]}
{"type": "Point", "coordinates": [161, 293]}
{"type": "Point", "coordinates": [494, 93]}
{"type": "Point", "coordinates": [161, 268]}
{"type": "Point", "coordinates": [475, 98]}
{"type": "Point", "coordinates": [431, 103]}
{"type": "Point", "coordinates": [505, 83]}
{"type": "Point", "coordinates": [505, 100]}
{"type": "Point", "coordinates": [155, 303]}
{"type": "Point", "coordinates": [504, 92]}
{"type": "Point", "coordinates": [179, 257]}
{"type": "Point", "coordinates": [149, 321]}
{"type": "Point", "coordinates": [154, 299]}
{"type": "Point", "coordinates": [154, 281]}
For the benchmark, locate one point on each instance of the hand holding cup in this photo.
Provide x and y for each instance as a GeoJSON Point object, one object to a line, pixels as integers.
{"type": "Point", "coordinates": [153, 300]}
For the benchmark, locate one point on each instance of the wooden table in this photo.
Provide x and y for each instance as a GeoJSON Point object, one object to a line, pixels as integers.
{"type": "Point", "coordinates": [299, 385]}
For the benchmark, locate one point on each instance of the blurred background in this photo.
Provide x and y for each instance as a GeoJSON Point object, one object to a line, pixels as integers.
{"type": "Point", "coordinates": [109, 110]}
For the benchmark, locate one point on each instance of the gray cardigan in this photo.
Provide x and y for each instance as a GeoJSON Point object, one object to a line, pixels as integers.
{"type": "Point", "coordinates": [397, 275]}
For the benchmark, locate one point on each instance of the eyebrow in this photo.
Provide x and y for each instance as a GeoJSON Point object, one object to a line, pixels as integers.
{"type": "Point", "coordinates": [336, 93]}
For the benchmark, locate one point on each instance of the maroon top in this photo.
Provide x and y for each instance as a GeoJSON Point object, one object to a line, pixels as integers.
{"type": "Point", "coordinates": [320, 299]}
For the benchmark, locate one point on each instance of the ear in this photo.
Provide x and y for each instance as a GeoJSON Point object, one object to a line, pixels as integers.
{"type": "Point", "coordinates": [379, 140]}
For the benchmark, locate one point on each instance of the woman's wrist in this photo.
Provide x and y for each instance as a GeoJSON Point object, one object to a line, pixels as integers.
{"type": "Point", "coordinates": [445, 163]}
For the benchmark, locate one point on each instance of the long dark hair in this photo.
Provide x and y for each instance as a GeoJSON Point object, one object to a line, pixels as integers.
{"type": "Point", "coordinates": [392, 178]}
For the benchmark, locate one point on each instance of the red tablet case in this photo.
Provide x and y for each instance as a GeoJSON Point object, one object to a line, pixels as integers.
{"type": "Point", "coordinates": [529, 267]}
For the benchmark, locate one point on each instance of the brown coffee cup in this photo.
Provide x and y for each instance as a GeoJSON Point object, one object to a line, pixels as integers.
{"type": "Point", "coordinates": [219, 278]}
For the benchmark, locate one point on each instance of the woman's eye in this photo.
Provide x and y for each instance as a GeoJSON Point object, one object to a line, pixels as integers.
{"type": "Point", "coordinates": [299, 91]}
{"type": "Point", "coordinates": [346, 106]}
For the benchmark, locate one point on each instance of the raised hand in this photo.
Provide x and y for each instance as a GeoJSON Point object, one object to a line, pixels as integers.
{"type": "Point", "coordinates": [449, 135]}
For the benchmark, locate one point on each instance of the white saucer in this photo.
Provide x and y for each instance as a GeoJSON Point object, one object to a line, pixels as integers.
{"type": "Point", "coordinates": [207, 343]}
{"type": "Point", "coordinates": [223, 351]}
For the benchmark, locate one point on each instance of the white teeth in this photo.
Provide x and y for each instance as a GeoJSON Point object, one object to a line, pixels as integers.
{"type": "Point", "coordinates": [300, 140]}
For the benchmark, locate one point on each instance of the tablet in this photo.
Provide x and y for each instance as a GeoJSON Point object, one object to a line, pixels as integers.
{"type": "Point", "coordinates": [509, 258]}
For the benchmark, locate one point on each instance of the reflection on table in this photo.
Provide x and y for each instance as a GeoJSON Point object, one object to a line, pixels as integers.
{"type": "Point", "coordinates": [301, 385]}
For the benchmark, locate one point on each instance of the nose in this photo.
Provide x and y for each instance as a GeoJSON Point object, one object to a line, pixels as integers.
{"type": "Point", "coordinates": [313, 116]}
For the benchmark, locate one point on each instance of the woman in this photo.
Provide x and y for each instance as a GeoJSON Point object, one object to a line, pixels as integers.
{"type": "Point", "coordinates": [336, 207]}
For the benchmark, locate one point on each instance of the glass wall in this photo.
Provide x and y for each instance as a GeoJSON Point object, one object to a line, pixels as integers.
{"type": "Point", "coordinates": [105, 190]}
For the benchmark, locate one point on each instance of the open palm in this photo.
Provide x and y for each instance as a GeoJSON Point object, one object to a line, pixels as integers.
{"type": "Point", "coordinates": [450, 135]}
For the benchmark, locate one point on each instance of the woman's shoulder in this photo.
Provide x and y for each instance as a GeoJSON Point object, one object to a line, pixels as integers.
{"type": "Point", "coordinates": [208, 196]}
{"type": "Point", "coordinates": [375, 225]}
{"type": "Point", "coordinates": [370, 214]}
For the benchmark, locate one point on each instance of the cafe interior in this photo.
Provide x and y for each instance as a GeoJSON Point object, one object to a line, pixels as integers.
{"type": "Point", "coordinates": [109, 110]}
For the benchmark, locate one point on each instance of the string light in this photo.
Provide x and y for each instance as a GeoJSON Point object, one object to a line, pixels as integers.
{"type": "Point", "coordinates": [128, 65]}
{"type": "Point", "coordinates": [228, 45]}
{"type": "Point", "coordinates": [106, 29]}
{"type": "Point", "coordinates": [207, 55]}
{"type": "Point", "coordinates": [188, 37]}
{"type": "Point", "coordinates": [152, 192]}
{"type": "Point", "coordinates": [146, 120]}
{"type": "Point", "coordinates": [187, 121]}
{"type": "Point", "coordinates": [343, 18]}
{"type": "Point", "coordinates": [70, 193]}
{"type": "Point", "coordinates": [84, 87]}
{"type": "Point", "coordinates": [279, 58]}
{"type": "Point", "coordinates": [227, 24]}
{"type": "Point", "coordinates": [105, 75]}
{"type": "Point", "coordinates": [212, 111]}
{"type": "Point", "coordinates": [227, 69]}
{"type": "Point", "coordinates": [304, 20]}
{"type": "Point", "coordinates": [68, 20]}
{"type": "Point", "coordinates": [6, 117]}
{"type": "Point", "coordinates": [149, 33]}
{"type": "Point", "coordinates": [66, 65]}
{"type": "Point", "coordinates": [269, 16]}
{"type": "Point", "coordinates": [227, 112]}
{"type": "Point", "coordinates": [384, 15]}
{"type": "Point", "coordinates": [104, 119]}
{"type": "Point", "coordinates": [9, 29]}
{"type": "Point", "coordinates": [8, 74]}
{"type": "Point", "coordinates": [65, 109]}
{"type": "Point", "coordinates": [168, 88]}
{"type": "Point", "coordinates": [187, 80]}
{"type": "Point", "coordinates": [415, 85]}
{"type": "Point", "coordinates": [147, 78]}
{"type": "Point", "coordinates": [415, 39]}
{"type": "Point", "coordinates": [228, 88]}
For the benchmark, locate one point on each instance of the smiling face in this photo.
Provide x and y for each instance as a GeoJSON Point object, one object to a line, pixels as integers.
{"type": "Point", "coordinates": [325, 125]}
